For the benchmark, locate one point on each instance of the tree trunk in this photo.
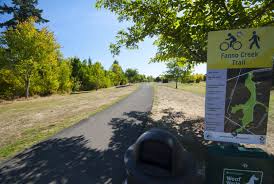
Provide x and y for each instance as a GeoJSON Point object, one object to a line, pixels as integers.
{"type": "Point", "coordinates": [176, 83]}
{"type": "Point", "coordinates": [27, 84]}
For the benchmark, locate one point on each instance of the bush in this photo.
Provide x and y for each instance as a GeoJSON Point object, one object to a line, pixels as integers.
{"type": "Point", "coordinates": [198, 80]}
{"type": "Point", "coordinates": [190, 81]}
{"type": "Point", "coordinates": [157, 79]}
{"type": "Point", "coordinates": [76, 85]}
{"type": "Point", "coordinates": [124, 81]}
{"type": "Point", "coordinates": [165, 80]}
{"type": "Point", "coordinates": [10, 85]}
{"type": "Point", "coordinates": [65, 84]}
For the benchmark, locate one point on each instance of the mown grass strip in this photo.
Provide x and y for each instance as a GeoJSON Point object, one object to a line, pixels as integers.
{"type": "Point", "coordinates": [35, 135]}
{"type": "Point", "coordinates": [196, 88]}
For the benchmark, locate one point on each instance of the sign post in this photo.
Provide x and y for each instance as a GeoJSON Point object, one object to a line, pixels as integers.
{"type": "Point", "coordinates": [238, 85]}
{"type": "Point", "coordinates": [239, 79]}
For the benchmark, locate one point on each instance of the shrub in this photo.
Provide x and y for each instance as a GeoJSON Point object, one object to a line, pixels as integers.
{"type": "Point", "coordinates": [165, 80]}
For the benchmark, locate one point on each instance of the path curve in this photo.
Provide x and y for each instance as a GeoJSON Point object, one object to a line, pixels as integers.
{"type": "Point", "coordinates": [88, 152]}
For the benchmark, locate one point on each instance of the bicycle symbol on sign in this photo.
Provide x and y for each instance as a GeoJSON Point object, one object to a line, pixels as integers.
{"type": "Point", "coordinates": [231, 43]}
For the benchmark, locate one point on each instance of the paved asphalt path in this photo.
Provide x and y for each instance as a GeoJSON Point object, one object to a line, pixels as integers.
{"type": "Point", "coordinates": [89, 152]}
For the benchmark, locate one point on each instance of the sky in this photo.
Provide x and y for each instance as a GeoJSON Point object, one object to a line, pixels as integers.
{"type": "Point", "coordinates": [84, 31]}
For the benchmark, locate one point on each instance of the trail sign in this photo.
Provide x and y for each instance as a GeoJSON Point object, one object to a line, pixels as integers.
{"type": "Point", "coordinates": [239, 76]}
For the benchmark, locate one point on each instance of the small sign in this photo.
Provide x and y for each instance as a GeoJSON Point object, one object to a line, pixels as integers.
{"type": "Point", "coordinates": [235, 176]}
{"type": "Point", "coordinates": [239, 79]}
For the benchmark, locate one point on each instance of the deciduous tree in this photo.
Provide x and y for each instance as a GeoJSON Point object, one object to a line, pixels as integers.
{"type": "Point", "coordinates": [118, 71]}
{"type": "Point", "coordinates": [132, 75]}
{"type": "Point", "coordinates": [65, 76]}
{"type": "Point", "coordinates": [180, 27]}
{"type": "Point", "coordinates": [30, 53]}
{"type": "Point", "coordinates": [98, 75]}
{"type": "Point", "coordinates": [177, 69]}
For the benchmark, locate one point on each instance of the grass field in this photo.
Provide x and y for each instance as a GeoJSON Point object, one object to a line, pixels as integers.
{"type": "Point", "coordinates": [200, 89]}
{"type": "Point", "coordinates": [26, 122]}
{"type": "Point", "coordinates": [197, 88]}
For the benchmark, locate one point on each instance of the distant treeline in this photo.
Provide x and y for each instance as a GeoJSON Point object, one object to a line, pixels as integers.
{"type": "Point", "coordinates": [191, 78]}
{"type": "Point", "coordinates": [31, 63]}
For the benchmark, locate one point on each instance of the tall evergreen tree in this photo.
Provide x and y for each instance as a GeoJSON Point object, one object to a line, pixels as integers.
{"type": "Point", "coordinates": [21, 10]}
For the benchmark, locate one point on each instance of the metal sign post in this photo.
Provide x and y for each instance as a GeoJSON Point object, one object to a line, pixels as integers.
{"type": "Point", "coordinates": [239, 79]}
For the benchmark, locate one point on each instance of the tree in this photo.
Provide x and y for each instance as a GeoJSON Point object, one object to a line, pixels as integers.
{"type": "Point", "coordinates": [89, 62]}
{"type": "Point", "coordinates": [21, 11]}
{"type": "Point", "coordinates": [181, 26]}
{"type": "Point", "coordinates": [132, 75]}
{"type": "Point", "coordinates": [30, 53]}
{"type": "Point", "coordinates": [98, 75]}
{"type": "Point", "coordinates": [118, 71]}
{"type": "Point", "coordinates": [141, 78]}
{"type": "Point", "coordinates": [76, 65]}
{"type": "Point", "coordinates": [11, 86]}
{"type": "Point", "coordinates": [177, 69]}
{"type": "Point", "coordinates": [88, 76]}
{"type": "Point", "coordinates": [158, 79]}
{"type": "Point", "coordinates": [77, 73]}
{"type": "Point", "coordinates": [65, 76]}
{"type": "Point", "coordinates": [116, 62]}
{"type": "Point", "coordinates": [150, 78]}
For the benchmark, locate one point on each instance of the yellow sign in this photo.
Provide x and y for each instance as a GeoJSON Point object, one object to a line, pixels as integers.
{"type": "Point", "coordinates": [239, 78]}
{"type": "Point", "coordinates": [241, 48]}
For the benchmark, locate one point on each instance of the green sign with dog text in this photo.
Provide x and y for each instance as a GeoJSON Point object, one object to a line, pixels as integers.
{"type": "Point", "coordinates": [235, 176]}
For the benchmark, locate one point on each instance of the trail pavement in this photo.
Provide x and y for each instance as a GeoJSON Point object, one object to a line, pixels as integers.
{"type": "Point", "coordinates": [89, 152]}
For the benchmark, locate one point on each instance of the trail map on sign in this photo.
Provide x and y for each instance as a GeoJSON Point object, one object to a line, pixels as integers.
{"type": "Point", "coordinates": [240, 116]}
{"type": "Point", "coordinates": [239, 81]}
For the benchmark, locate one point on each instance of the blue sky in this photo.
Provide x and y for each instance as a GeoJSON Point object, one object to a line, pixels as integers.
{"type": "Point", "coordinates": [84, 31]}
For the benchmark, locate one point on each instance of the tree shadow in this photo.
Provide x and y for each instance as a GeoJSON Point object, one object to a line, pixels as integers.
{"type": "Point", "coordinates": [64, 160]}
{"type": "Point", "coordinates": [188, 131]}
{"type": "Point", "coordinates": [70, 160]}
{"type": "Point", "coordinates": [123, 86]}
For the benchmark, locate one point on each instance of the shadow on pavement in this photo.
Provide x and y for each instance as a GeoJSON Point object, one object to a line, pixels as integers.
{"type": "Point", "coordinates": [69, 160]}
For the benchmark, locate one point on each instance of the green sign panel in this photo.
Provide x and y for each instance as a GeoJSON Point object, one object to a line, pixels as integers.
{"type": "Point", "coordinates": [235, 176]}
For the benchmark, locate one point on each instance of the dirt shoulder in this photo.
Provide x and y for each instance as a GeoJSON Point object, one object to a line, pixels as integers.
{"type": "Point", "coordinates": [185, 111]}
{"type": "Point", "coordinates": [190, 104]}
{"type": "Point", "coordinates": [24, 123]}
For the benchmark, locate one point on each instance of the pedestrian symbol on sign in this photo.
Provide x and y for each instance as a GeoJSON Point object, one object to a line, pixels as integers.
{"type": "Point", "coordinates": [255, 40]}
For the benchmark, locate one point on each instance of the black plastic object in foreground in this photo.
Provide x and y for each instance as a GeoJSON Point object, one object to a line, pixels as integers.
{"type": "Point", "coordinates": [157, 157]}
